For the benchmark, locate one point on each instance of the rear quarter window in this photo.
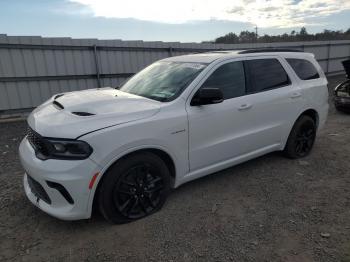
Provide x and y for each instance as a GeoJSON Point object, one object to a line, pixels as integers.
{"type": "Point", "coordinates": [304, 69]}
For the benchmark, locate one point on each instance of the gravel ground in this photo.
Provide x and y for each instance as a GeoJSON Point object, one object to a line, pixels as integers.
{"type": "Point", "coordinates": [268, 209]}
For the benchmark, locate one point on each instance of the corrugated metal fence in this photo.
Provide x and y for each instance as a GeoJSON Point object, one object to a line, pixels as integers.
{"type": "Point", "coordinates": [33, 68]}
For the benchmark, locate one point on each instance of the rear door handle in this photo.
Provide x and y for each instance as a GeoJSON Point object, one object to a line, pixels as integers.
{"type": "Point", "coordinates": [295, 95]}
{"type": "Point", "coordinates": [244, 107]}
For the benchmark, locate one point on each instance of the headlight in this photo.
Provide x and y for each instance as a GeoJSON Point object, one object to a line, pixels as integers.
{"type": "Point", "coordinates": [342, 94]}
{"type": "Point", "coordinates": [343, 89]}
{"type": "Point", "coordinates": [58, 148]}
{"type": "Point", "coordinates": [67, 149]}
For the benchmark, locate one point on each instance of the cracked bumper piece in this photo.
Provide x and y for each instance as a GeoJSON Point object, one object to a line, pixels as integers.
{"type": "Point", "coordinates": [57, 187]}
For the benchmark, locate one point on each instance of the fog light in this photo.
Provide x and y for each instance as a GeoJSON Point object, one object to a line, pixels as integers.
{"type": "Point", "coordinates": [343, 94]}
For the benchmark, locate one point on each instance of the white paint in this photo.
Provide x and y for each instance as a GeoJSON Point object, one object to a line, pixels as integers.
{"type": "Point", "coordinates": [215, 136]}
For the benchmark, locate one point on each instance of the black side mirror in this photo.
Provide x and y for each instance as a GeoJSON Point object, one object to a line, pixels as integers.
{"type": "Point", "coordinates": [207, 96]}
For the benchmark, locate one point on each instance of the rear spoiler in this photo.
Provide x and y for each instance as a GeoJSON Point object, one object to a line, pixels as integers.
{"type": "Point", "coordinates": [346, 65]}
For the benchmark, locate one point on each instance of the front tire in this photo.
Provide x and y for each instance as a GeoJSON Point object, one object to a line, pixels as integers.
{"type": "Point", "coordinates": [301, 139]}
{"type": "Point", "coordinates": [133, 188]}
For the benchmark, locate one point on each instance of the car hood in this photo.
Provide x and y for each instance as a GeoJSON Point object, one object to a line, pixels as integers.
{"type": "Point", "coordinates": [346, 65]}
{"type": "Point", "coordinates": [70, 115]}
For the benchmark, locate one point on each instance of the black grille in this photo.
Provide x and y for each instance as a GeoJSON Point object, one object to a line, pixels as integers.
{"type": "Point", "coordinates": [38, 190]}
{"type": "Point", "coordinates": [37, 141]}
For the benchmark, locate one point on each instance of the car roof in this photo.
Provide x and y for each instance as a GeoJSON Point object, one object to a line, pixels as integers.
{"type": "Point", "coordinates": [209, 57]}
{"type": "Point", "coordinates": [206, 57]}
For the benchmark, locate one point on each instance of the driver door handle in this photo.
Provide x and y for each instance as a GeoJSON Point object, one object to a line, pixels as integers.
{"type": "Point", "coordinates": [244, 107]}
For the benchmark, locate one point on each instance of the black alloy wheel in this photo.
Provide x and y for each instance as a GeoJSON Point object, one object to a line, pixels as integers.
{"type": "Point", "coordinates": [134, 187]}
{"type": "Point", "coordinates": [138, 192]}
{"type": "Point", "coordinates": [302, 137]}
{"type": "Point", "coordinates": [305, 139]}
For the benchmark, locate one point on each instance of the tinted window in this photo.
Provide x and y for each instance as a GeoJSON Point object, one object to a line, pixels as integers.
{"type": "Point", "coordinates": [303, 68]}
{"type": "Point", "coordinates": [229, 78]}
{"type": "Point", "coordinates": [266, 74]}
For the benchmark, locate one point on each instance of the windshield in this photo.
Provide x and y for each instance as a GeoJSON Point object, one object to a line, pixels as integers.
{"type": "Point", "coordinates": [163, 81]}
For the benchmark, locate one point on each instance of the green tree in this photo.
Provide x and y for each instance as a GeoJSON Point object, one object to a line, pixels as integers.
{"type": "Point", "coordinates": [230, 38]}
{"type": "Point", "coordinates": [303, 31]}
{"type": "Point", "coordinates": [247, 37]}
{"type": "Point", "coordinates": [302, 35]}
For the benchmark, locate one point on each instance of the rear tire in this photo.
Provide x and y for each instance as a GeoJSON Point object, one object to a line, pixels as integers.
{"type": "Point", "coordinates": [338, 108]}
{"type": "Point", "coordinates": [301, 139]}
{"type": "Point", "coordinates": [133, 188]}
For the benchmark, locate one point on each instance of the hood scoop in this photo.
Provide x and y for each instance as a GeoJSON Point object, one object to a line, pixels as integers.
{"type": "Point", "coordinates": [77, 113]}
{"type": "Point", "coordinates": [59, 95]}
{"type": "Point", "coordinates": [57, 104]}
{"type": "Point", "coordinates": [83, 113]}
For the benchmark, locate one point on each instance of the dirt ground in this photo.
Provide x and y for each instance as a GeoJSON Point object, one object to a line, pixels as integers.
{"type": "Point", "coordinates": [268, 209]}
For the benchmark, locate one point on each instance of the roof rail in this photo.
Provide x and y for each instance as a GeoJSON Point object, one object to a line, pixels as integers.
{"type": "Point", "coordinates": [267, 50]}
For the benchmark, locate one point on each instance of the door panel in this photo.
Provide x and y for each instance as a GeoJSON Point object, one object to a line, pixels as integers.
{"type": "Point", "coordinates": [240, 125]}
{"type": "Point", "coordinates": [219, 132]}
{"type": "Point", "coordinates": [215, 134]}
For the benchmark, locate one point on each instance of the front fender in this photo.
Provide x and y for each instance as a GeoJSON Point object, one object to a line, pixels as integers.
{"type": "Point", "coordinates": [179, 167]}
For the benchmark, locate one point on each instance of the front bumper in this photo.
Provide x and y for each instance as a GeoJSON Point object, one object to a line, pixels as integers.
{"type": "Point", "coordinates": [72, 175]}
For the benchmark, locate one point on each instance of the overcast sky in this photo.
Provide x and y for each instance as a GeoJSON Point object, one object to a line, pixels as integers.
{"type": "Point", "coordinates": [180, 20]}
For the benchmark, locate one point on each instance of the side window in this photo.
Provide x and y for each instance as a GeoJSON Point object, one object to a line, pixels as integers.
{"type": "Point", "coordinates": [266, 74]}
{"type": "Point", "coordinates": [229, 78]}
{"type": "Point", "coordinates": [304, 69]}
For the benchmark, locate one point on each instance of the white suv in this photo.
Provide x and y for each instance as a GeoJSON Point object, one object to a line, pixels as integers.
{"type": "Point", "coordinates": [179, 119]}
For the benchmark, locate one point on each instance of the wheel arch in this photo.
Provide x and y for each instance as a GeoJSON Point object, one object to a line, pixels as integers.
{"type": "Point", "coordinates": [308, 112]}
{"type": "Point", "coordinates": [311, 113]}
{"type": "Point", "coordinates": [160, 152]}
